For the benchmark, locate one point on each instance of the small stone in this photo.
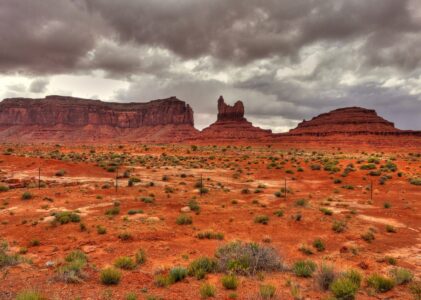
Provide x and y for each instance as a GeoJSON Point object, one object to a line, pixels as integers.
{"type": "Point", "coordinates": [185, 209]}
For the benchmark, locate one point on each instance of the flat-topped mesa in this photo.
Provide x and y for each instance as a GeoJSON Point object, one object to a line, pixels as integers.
{"type": "Point", "coordinates": [230, 113]}
{"type": "Point", "coordinates": [231, 125]}
{"type": "Point", "coordinates": [59, 110]}
{"type": "Point", "coordinates": [348, 120]}
{"type": "Point", "coordinates": [69, 118]}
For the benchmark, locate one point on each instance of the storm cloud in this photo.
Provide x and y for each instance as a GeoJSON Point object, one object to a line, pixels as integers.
{"type": "Point", "coordinates": [286, 59]}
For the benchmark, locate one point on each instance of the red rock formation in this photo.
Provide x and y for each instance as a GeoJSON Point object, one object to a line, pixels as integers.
{"type": "Point", "coordinates": [349, 120]}
{"type": "Point", "coordinates": [231, 125]}
{"type": "Point", "coordinates": [57, 117]}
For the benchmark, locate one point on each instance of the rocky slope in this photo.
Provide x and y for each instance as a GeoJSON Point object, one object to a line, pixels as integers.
{"type": "Point", "coordinates": [349, 120]}
{"type": "Point", "coordinates": [231, 125]}
{"type": "Point", "coordinates": [68, 118]}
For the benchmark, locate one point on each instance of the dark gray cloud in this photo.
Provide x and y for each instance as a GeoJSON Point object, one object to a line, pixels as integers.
{"type": "Point", "coordinates": [287, 59]}
{"type": "Point", "coordinates": [38, 85]}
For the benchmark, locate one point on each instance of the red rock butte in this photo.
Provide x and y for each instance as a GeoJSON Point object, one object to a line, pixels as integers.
{"type": "Point", "coordinates": [69, 119]}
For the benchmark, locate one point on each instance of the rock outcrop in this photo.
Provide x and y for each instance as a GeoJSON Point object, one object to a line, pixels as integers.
{"type": "Point", "coordinates": [231, 125]}
{"type": "Point", "coordinates": [349, 120]}
{"type": "Point", "coordinates": [68, 118]}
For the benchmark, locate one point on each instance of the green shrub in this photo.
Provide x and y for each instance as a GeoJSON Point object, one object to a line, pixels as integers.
{"type": "Point", "coordinates": [207, 290]}
{"type": "Point", "coordinates": [326, 211]}
{"type": "Point", "coordinates": [415, 181]}
{"type": "Point", "coordinates": [140, 257]}
{"type": "Point", "coordinates": [194, 206]}
{"type": "Point", "coordinates": [263, 219]}
{"type": "Point", "coordinates": [26, 196]}
{"type": "Point", "coordinates": [380, 283]}
{"type": "Point", "coordinates": [304, 268]}
{"type": "Point", "coordinates": [72, 270]}
{"type": "Point", "coordinates": [401, 275]}
{"type": "Point", "coordinates": [125, 263]}
{"type": "Point", "coordinates": [306, 250]}
{"type": "Point", "coordinates": [344, 289]}
{"type": "Point", "coordinates": [415, 289]}
{"type": "Point", "coordinates": [130, 296]}
{"type": "Point", "coordinates": [210, 235]}
{"type": "Point", "coordinates": [338, 226]}
{"type": "Point", "coordinates": [354, 276]}
{"type": "Point", "coordinates": [60, 173]}
{"type": "Point", "coordinates": [202, 266]}
{"type": "Point", "coordinates": [101, 229]}
{"type": "Point", "coordinates": [125, 236]}
{"type": "Point", "coordinates": [319, 245]}
{"type": "Point", "coordinates": [368, 236]}
{"type": "Point", "coordinates": [7, 259]}
{"type": "Point", "coordinates": [390, 228]}
{"type": "Point", "coordinates": [279, 213]}
{"type": "Point", "coordinates": [301, 202]}
{"type": "Point", "coordinates": [184, 220]}
{"type": "Point", "coordinates": [113, 211]}
{"type": "Point", "coordinates": [325, 276]}
{"type": "Point", "coordinates": [66, 217]}
{"type": "Point", "coordinates": [230, 282]}
{"type": "Point", "coordinates": [267, 291]}
{"type": "Point", "coordinates": [76, 255]}
{"type": "Point", "coordinates": [29, 295]}
{"type": "Point", "coordinates": [247, 258]}
{"type": "Point", "coordinates": [161, 280]}
{"type": "Point", "coordinates": [177, 274]}
{"type": "Point", "coordinates": [4, 188]}
{"type": "Point", "coordinates": [110, 276]}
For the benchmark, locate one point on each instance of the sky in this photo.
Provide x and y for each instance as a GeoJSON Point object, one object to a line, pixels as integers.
{"type": "Point", "coordinates": [287, 60]}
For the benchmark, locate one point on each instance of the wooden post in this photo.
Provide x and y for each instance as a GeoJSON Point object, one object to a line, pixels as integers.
{"type": "Point", "coordinates": [285, 189]}
{"type": "Point", "coordinates": [116, 179]}
{"type": "Point", "coordinates": [201, 184]}
{"type": "Point", "coordinates": [39, 178]}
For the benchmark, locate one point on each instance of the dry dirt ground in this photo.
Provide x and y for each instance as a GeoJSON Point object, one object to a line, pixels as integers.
{"type": "Point", "coordinates": [239, 184]}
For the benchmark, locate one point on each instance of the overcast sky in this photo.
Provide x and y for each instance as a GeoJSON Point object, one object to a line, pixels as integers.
{"type": "Point", "coordinates": [287, 60]}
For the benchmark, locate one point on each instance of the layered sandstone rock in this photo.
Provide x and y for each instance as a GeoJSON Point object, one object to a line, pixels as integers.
{"type": "Point", "coordinates": [57, 117]}
{"type": "Point", "coordinates": [349, 120]}
{"type": "Point", "coordinates": [231, 125]}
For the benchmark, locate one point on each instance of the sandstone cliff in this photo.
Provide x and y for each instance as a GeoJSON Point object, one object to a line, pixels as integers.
{"type": "Point", "coordinates": [57, 117]}
{"type": "Point", "coordinates": [231, 125]}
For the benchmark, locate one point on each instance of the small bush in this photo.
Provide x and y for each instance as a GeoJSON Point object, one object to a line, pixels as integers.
{"type": "Point", "coordinates": [368, 236]}
{"type": "Point", "coordinates": [380, 283]}
{"type": "Point", "coordinates": [354, 276]}
{"type": "Point", "coordinates": [101, 230]}
{"type": "Point", "coordinates": [4, 188]}
{"type": "Point", "coordinates": [247, 258]}
{"type": "Point", "coordinates": [401, 275]}
{"type": "Point", "coordinates": [325, 276]}
{"type": "Point", "coordinates": [210, 235]}
{"type": "Point", "coordinates": [301, 202]}
{"type": "Point", "coordinates": [29, 295]}
{"type": "Point", "coordinates": [125, 236]}
{"type": "Point", "coordinates": [66, 217]}
{"type": "Point", "coordinates": [140, 257]}
{"type": "Point", "coordinates": [207, 290]}
{"type": "Point", "coordinates": [344, 288]}
{"type": "Point", "coordinates": [26, 196]}
{"type": "Point", "coordinates": [202, 266]}
{"type": "Point", "coordinates": [110, 276]}
{"type": "Point", "coordinates": [230, 282]}
{"type": "Point", "coordinates": [267, 291]}
{"type": "Point", "coordinates": [263, 219]}
{"type": "Point", "coordinates": [415, 181]}
{"type": "Point", "coordinates": [125, 263]}
{"type": "Point", "coordinates": [113, 211]}
{"type": "Point", "coordinates": [161, 280]}
{"type": "Point", "coordinates": [338, 226]}
{"type": "Point", "coordinates": [390, 229]}
{"type": "Point", "coordinates": [415, 289]}
{"type": "Point", "coordinates": [319, 245]}
{"type": "Point", "coordinates": [177, 274]}
{"type": "Point", "coordinates": [304, 268]}
{"type": "Point", "coordinates": [279, 213]}
{"type": "Point", "coordinates": [184, 220]}
{"type": "Point", "coordinates": [326, 211]}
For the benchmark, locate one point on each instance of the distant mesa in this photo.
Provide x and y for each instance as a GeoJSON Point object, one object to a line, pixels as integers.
{"type": "Point", "coordinates": [349, 120]}
{"type": "Point", "coordinates": [232, 125]}
{"type": "Point", "coordinates": [170, 120]}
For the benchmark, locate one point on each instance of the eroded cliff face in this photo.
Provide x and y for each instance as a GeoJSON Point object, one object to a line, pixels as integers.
{"type": "Point", "coordinates": [58, 110]}
{"type": "Point", "coordinates": [231, 125]}
{"type": "Point", "coordinates": [57, 117]}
